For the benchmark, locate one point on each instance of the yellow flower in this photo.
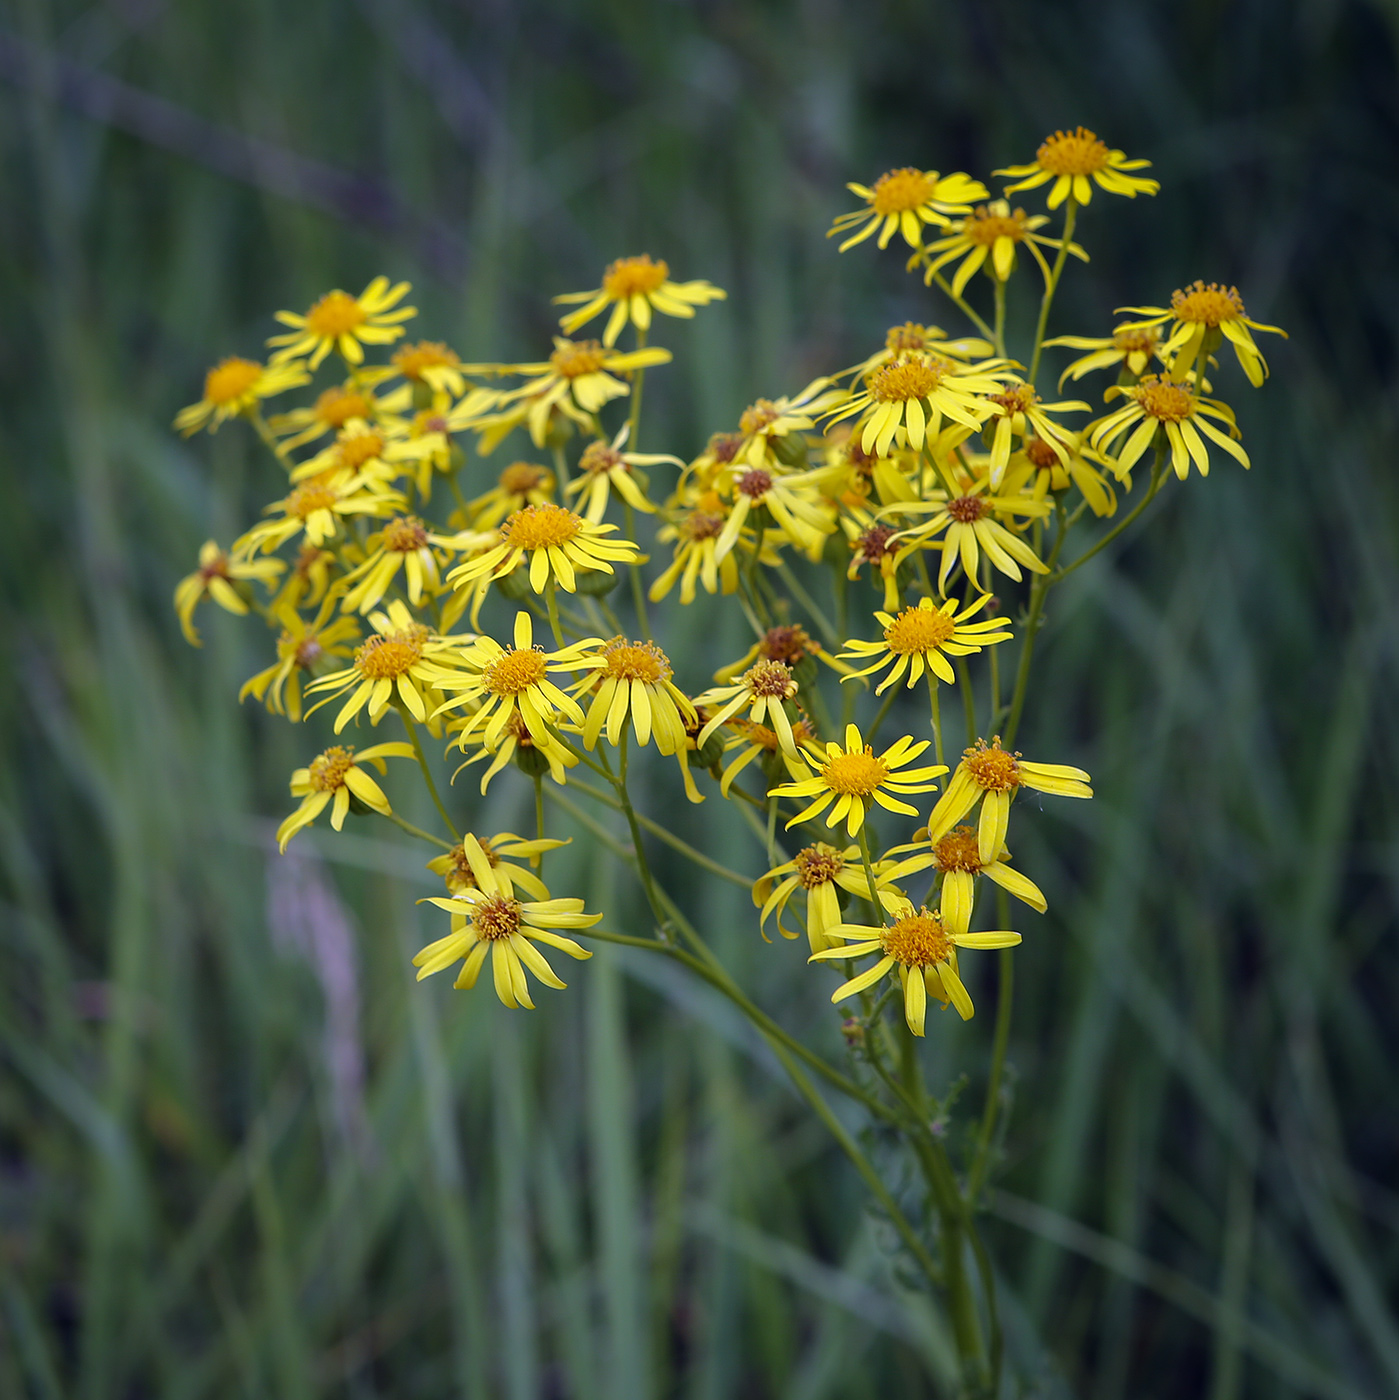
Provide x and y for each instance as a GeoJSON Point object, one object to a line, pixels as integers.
{"type": "Point", "coordinates": [333, 409]}
{"type": "Point", "coordinates": [635, 677]}
{"type": "Point", "coordinates": [1130, 347]}
{"type": "Point", "coordinates": [214, 578]}
{"type": "Point", "coordinates": [902, 201]}
{"type": "Point", "coordinates": [307, 580]}
{"type": "Point", "coordinates": [923, 637]}
{"type": "Point", "coordinates": [762, 688]}
{"type": "Point", "coordinates": [992, 774]}
{"type": "Point", "coordinates": [341, 322]}
{"type": "Point", "coordinates": [404, 543]}
{"type": "Point", "coordinates": [758, 741]}
{"type": "Point", "coordinates": [790, 644]}
{"type": "Point", "coordinates": [604, 466]}
{"type": "Point", "coordinates": [433, 364]}
{"type": "Point", "coordinates": [991, 231]}
{"type": "Point", "coordinates": [1017, 409]}
{"type": "Point", "coordinates": [455, 868]}
{"type": "Point", "coordinates": [521, 484]}
{"type": "Point", "coordinates": [634, 287]}
{"type": "Point", "coordinates": [232, 390]}
{"type": "Point", "coordinates": [875, 543]}
{"type": "Point", "coordinates": [315, 508]}
{"type": "Point", "coordinates": [956, 856]}
{"type": "Point", "coordinates": [576, 381]}
{"type": "Point", "coordinates": [1073, 159]}
{"type": "Point", "coordinates": [1038, 464]}
{"type": "Point", "coordinates": [357, 455]}
{"type": "Point", "coordinates": [403, 659]}
{"type": "Point", "coordinates": [488, 918]}
{"type": "Point", "coordinates": [1200, 315]}
{"type": "Point", "coordinates": [923, 949]}
{"type": "Point", "coordinates": [819, 870]}
{"type": "Point", "coordinates": [696, 534]}
{"type": "Point", "coordinates": [334, 777]}
{"type": "Point", "coordinates": [498, 681]}
{"type": "Point", "coordinates": [424, 442]}
{"type": "Point", "coordinates": [906, 399]}
{"type": "Point", "coordinates": [558, 543]}
{"type": "Point", "coordinates": [765, 422]}
{"type": "Point", "coordinates": [792, 499]}
{"type": "Point", "coordinates": [1160, 404]}
{"type": "Point", "coordinates": [855, 777]}
{"type": "Point", "coordinates": [303, 646]}
{"type": "Point", "coordinates": [516, 741]}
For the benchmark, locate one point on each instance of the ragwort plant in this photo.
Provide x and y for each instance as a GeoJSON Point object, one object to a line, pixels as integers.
{"type": "Point", "coordinates": [934, 473]}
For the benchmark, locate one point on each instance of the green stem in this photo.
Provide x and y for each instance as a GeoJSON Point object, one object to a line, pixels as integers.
{"type": "Point", "coordinates": [634, 417]}
{"type": "Point", "coordinates": [813, 611]}
{"type": "Point", "coordinates": [1047, 300]}
{"type": "Point", "coordinates": [461, 500]}
{"type": "Point", "coordinates": [1157, 477]}
{"type": "Point", "coordinates": [638, 592]}
{"type": "Point", "coordinates": [269, 441]}
{"type": "Point", "coordinates": [876, 904]}
{"type": "Point", "coordinates": [427, 774]}
{"type": "Point", "coordinates": [883, 710]}
{"type": "Point", "coordinates": [962, 306]}
{"type": "Point", "coordinates": [936, 714]}
{"type": "Point", "coordinates": [643, 866]}
{"type": "Point", "coordinates": [560, 468]}
{"type": "Point", "coordinates": [539, 817]}
{"type": "Point", "coordinates": [964, 683]}
{"type": "Point", "coordinates": [1000, 318]}
{"type": "Point", "coordinates": [551, 602]}
{"type": "Point", "coordinates": [416, 831]}
{"type": "Point", "coordinates": [1005, 995]}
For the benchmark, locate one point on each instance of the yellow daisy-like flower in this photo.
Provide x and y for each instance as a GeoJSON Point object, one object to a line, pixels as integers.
{"type": "Point", "coordinates": [765, 422]}
{"type": "Point", "coordinates": [1037, 464]}
{"type": "Point", "coordinates": [855, 777]}
{"type": "Point", "coordinates": [876, 543]}
{"type": "Point", "coordinates": [1017, 410]}
{"type": "Point", "coordinates": [496, 682]}
{"type": "Point", "coordinates": [308, 580]}
{"type": "Point", "coordinates": [333, 410]}
{"type": "Point", "coordinates": [1076, 161]}
{"type": "Point", "coordinates": [604, 467]}
{"type": "Point", "coordinates": [433, 365]}
{"type": "Point", "coordinates": [696, 535]}
{"type": "Point", "coordinates": [404, 543]}
{"type": "Point", "coordinates": [215, 577]}
{"type": "Point", "coordinates": [403, 659]}
{"type": "Point", "coordinates": [558, 544]}
{"type": "Point", "coordinates": [455, 867]}
{"type": "Point", "coordinates": [790, 644]}
{"type": "Point", "coordinates": [232, 390]}
{"type": "Point", "coordinates": [315, 508]}
{"type": "Point", "coordinates": [575, 381]}
{"type": "Point", "coordinates": [902, 201]}
{"type": "Point", "coordinates": [359, 454]}
{"type": "Point", "coordinates": [906, 399]}
{"type": "Point", "coordinates": [1200, 315]}
{"type": "Point", "coordinates": [635, 678]}
{"type": "Point", "coordinates": [634, 288]}
{"type": "Point", "coordinates": [757, 741]}
{"type": "Point", "coordinates": [923, 949]}
{"type": "Point", "coordinates": [423, 444]}
{"type": "Point", "coordinates": [1160, 404]}
{"type": "Point", "coordinates": [763, 689]}
{"type": "Point", "coordinates": [489, 919]}
{"type": "Point", "coordinates": [991, 776]}
{"type": "Point", "coordinates": [335, 777]}
{"type": "Point", "coordinates": [792, 499]}
{"type": "Point", "coordinates": [341, 322]}
{"type": "Point", "coordinates": [533, 754]}
{"type": "Point", "coordinates": [1130, 347]}
{"type": "Point", "coordinates": [819, 870]}
{"type": "Point", "coordinates": [956, 856]}
{"type": "Point", "coordinates": [921, 639]}
{"type": "Point", "coordinates": [521, 484]}
{"type": "Point", "coordinates": [303, 647]}
{"type": "Point", "coordinates": [989, 237]}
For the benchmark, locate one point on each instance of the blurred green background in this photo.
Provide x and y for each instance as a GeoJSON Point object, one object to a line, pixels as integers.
{"type": "Point", "coordinates": [241, 1155]}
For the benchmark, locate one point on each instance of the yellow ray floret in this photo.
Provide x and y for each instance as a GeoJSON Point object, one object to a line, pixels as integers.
{"type": "Point", "coordinates": [956, 856]}
{"type": "Point", "coordinates": [902, 201]}
{"type": "Point", "coordinates": [989, 237]}
{"type": "Point", "coordinates": [233, 388]}
{"type": "Point", "coordinates": [635, 678]}
{"type": "Point", "coordinates": [335, 777]}
{"type": "Point", "coordinates": [1159, 404]}
{"type": "Point", "coordinates": [821, 870]}
{"type": "Point", "coordinates": [634, 288]}
{"type": "Point", "coordinates": [341, 322]}
{"type": "Point", "coordinates": [1076, 161]}
{"type": "Point", "coordinates": [921, 638]}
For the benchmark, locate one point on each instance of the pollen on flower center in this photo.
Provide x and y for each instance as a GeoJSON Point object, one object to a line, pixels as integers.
{"type": "Point", "coordinates": [356, 451]}
{"type": "Point", "coordinates": [725, 446]}
{"type": "Point", "coordinates": [701, 525]}
{"type": "Point", "coordinates": [873, 543]}
{"type": "Point", "coordinates": [636, 661]}
{"type": "Point", "coordinates": [905, 379]}
{"type": "Point", "coordinates": [337, 406]}
{"type": "Point", "coordinates": [461, 876]}
{"type": "Point", "coordinates": [909, 336]}
{"type": "Point", "coordinates": [918, 630]}
{"type": "Point", "coordinates": [304, 653]}
{"type": "Point", "coordinates": [543, 526]}
{"type": "Point", "coordinates": [1163, 399]}
{"type": "Point", "coordinates": [405, 535]}
{"type": "Point", "coordinates": [217, 567]}
{"type": "Point", "coordinates": [515, 671]}
{"type": "Point", "coordinates": [917, 940]}
{"type": "Point", "coordinates": [1016, 399]}
{"type": "Point", "coordinates": [770, 678]}
{"type": "Point", "coordinates": [967, 510]}
{"type": "Point", "coordinates": [336, 313]}
{"type": "Point", "coordinates": [577, 357]}
{"type": "Point", "coordinates": [985, 227]}
{"type": "Point", "coordinates": [786, 644]}
{"type": "Point", "coordinates": [411, 360]}
{"type": "Point", "coordinates": [598, 458]}
{"type": "Point", "coordinates": [898, 191]}
{"type": "Point", "coordinates": [311, 497]}
{"type": "Point", "coordinates": [1208, 305]}
{"type": "Point", "coordinates": [496, 917]}
{"type": "Point", "coordinates": [855, 774]}
{"type": "Point", "coordinates": [428, 422]}
{"type": "Point", "coordinates": [1077, 152]}
{"type": "Point", "coordinates": [327, 772]}
{"type": "Point", "coordinates": [629, 277]}
{"type": "Point", "coordinates": [992, 769]}
{"type": "Point", "coordinates": [958, 850]}
{"type": "Point", "coordinates": [818, 864]}
{"type": "Point", "coordinates": [521, 477]}
{"type": "Point", "coordinates": [1041, 454]}
{"type": "Point", "coordinates": [755, 483]}
{"type": "Point", "coordinates": [230, 379]}
{"type": "Point", "coordinates": [1141, 341]}
{"type": "Point", "coordinates": [392, 654]}
{"type": "Point", "coordinates": [755, 418]}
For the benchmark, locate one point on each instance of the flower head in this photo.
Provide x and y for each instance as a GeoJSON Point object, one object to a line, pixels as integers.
{"type": "Point", "coordinates": [1161, 404]}
{"type": "Point", "coordinates": [1131, 347]}
{"type": "Point", "coordinates": [902, 201]}
{"type": "Point", "coordinates": [341, 322]}
{"type": "Point", "coordinates": [763, 689]}
{"type": "Point", "coordinates": [956, 856]}
{"type": "Point", "coordinates": [431, 364]}
{"type": "Point", "coordinates": [921, 638]}
{"type": "Point", "coordinates": [635, 678]}
{"type": "Point", "coordinates": [989, 237]}
{"type": "Point", "coordinates": [454, 866]}
{"type": "Point", "coordinates": [820, 870]}
{"type": "Point", "coordinates": [634, 288]}
{"type": "Point", "coordinates": [303, 647]}
{"type": "Point", "coordinates": [605, 466]}
{"type": "Point", "coordinates": [233, 388]}
{"type": "Point", "coordinates": [1076, 161]}
{"type": "Point", "coordinates": [1200, 316]}
{"type": "Point", "coordinates": [215, 578]}
{"type": "Point", "coordinates": [334, 777]}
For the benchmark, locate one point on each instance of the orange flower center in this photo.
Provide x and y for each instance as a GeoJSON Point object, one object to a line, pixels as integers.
{"type": "Point", "coordinates": [873, 543]}
{"type": "Point", "coordinates": [1163, 399]}
{"type": "Point", "coordinates": [898, 191]}
{"type": "Point", "coordinates": [328, 771]}
{"type": "Point", "coordinates": [230, 379]}
{"type": "Point", "coordinates": [520, 478]}
{"type": "Point", "coordinates": [411, 360]}
{"type": "Point", "coordinates": [818, 864]}
{"type": "Point", "coordinates": [390, 655]}
{"type": "Point", "coordinates": [515, 672]}
{"type": "Point", "coordinates": [598, 458]}
{"type": "Point", "coordinates": [1207, 305]}
{"type": "Point", "coordinates": [304, 653]}
{"type": "Point", "coordinates": [636, 661]}
{"type": "Point", "coordinates": [311, 497]}
{"type": "Point", "coordinates": [1140, 341]}
{"type": "Point", "coordinates": [215, 568]}
{"type": "Point", "coordinates": [786, 644]}
{"type": "Point", "coordinates": [461, 876]}
{"type": "Point", "coordinates": [958, 850]}
{"type": "Point", "coordinates": [1072, 153]}
{"type": "Point", "coordinates": [428, 421]}
{"type": "Point", "coordinates": [542, 526]}
{"type": "Point", "coordinates": [577, 357]}
{"type": "Point", "coordinates": [354, 452]}
{"type": "Point", "coordinates": [992, 769]}
{"type": "Point", "coordinates": [917, 631]}
{"type": "Point", "coordinates": [855, 774]}
{"type": "Point", "coordinates": [496, 917]}
{"type": "Point", "coordinates": [967, 510]}
{"type": "Point", "coordinates": [405, 535]}
{"type": "Point", "coordinates": [1041, 454]}
{"type": "Point", "coordinates": [755, 418]}
{"type": "Point", "coordinates": [335, 314]}
{"type": "Point", "coordinates": [725, 446]}
{"type": "Point", "coordinates": [630, 277]}
{"type": "Point", "coordinates": [770, 678]}
{"type": "Point", "coordinates": [755, 483]}
{"type": "Point", "coordinates": [905, 379]}
{"type": "Point", "coordinates": [701, 525]}
{"type": "Point", "coordinates": [917, 940]}
{"type": "Point", "coordinates": [985, 228]}
{"type": "Point", "coordinates": [909, 336]}
{"type": "Point", "coordinates": [1016, 399]}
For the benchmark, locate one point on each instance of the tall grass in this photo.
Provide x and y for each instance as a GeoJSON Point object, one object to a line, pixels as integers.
{"type": "Point", "coordinates": [243, 1155]}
